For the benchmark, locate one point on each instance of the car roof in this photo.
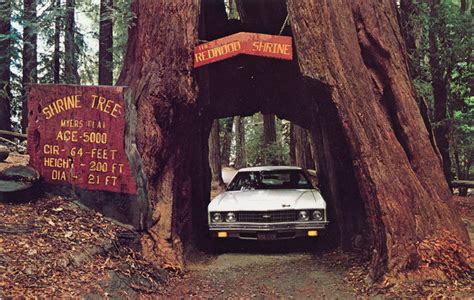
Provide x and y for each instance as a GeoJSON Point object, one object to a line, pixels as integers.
{"type": "Point", "coordinates": [269, 168]}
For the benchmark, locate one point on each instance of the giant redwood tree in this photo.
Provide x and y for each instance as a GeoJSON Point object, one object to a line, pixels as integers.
{"type": "Point", "coordinates": [348, 85]}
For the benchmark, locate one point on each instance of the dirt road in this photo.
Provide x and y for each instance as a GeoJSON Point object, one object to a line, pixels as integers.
{"type": "Point", "coordinates": [285, 269]}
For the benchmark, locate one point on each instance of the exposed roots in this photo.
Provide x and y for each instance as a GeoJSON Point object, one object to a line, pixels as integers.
{"type": "Point", "coordinates": [162, 253]}
{"type": "Point", "coordinates": [440, 257]}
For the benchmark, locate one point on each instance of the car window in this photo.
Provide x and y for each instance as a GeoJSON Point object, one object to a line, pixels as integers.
{"type": "Point", "coordinates": [262, 180]}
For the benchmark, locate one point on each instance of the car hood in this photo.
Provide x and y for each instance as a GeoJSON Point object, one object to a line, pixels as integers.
{"type": "Point", "coordinates": [255, 200]}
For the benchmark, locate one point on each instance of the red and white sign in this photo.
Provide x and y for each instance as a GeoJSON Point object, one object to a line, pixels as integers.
{"type": "Point", "coordinates": [275, 46]}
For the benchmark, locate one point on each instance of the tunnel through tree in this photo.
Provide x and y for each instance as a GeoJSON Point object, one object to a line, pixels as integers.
{"type": "Point", "coordinates": [349, 85]}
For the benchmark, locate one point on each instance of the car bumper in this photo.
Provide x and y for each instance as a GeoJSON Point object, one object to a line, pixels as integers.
{"type": "Point", "coordinates": [267, 231]}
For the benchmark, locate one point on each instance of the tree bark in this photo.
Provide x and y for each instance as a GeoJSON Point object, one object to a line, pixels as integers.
{"type": "Point", "coordinates": [408, 11]}
{"type": "Point", "coordinates": [29, 53]}
{"type": "Point", "coordinates": [377, 162]}
{"type": "Point", "coordinates": [313, 147]}
{"type": "Point", "coordinates": [406, 197]}
{"type": "Point", "coordinates": [411, 31]}
{"type": "Point", "coordinates": [57, 41]}
{"type": "Point", "coordinates": [292, 144]}
{"type": "Point", "coordinates": [269, 130]}
{"type": "Point", "coordinates": [226, 141]}
{"type": "Point", "coordinates": [70, 49]}
{"type": "Point", "coordinates": [214, 153]}
{"type": "Point", "coordinates": [5, 48]}
{"type": "Point", "coordinates": [303, 157]}
{"type": "Point", "coordinates": [439, 82]}
{"type": "Point", "coordinates": [166, 107]}
{"type": "Point", "coordinates": [239, 134]}
{"type": "Point", "coordinates": [106, 43]}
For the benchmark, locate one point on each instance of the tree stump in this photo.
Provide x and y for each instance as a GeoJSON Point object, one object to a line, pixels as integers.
{"type": "Point", "coordinates": [19, 184]}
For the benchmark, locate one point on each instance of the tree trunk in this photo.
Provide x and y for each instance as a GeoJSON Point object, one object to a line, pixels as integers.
{"type": "Point", "coordinates": [303, 157]}
{"type": "Point", "coordinates": [239, 134]}
{"type": "Point", "coordinates": [292, 144]}
{"type": "Point", "coordinates": [29, 53]}
{"type": "Point", "coordinates": [439, 83]}
{"type": "Point", "coordinates": [105, 43]}
{"type": "Point", "coordinates": [5, 88]}
{"type": "Point", "coordinates": [467, 6]}
{"type": "Point", "coordinates": [406, 197]}
{"type": "Point", "coordinates": [459, 171]}
{"type": "Point", "coordinates": [411, 31]}
{"type": "Point", "coordinates": [166, 111]}
{"type": "Point", "coordinates": [214, 153]}
{"type": "Point", "coordinates": [70, 49]}
{"type": "Point", "coordinates": [57, 38]}
{"type": "Point", "coordinates": [408, 11]}
{"type": "Point", "coordinates": [377, 162]}
{"type": "Point", "coordinates": [313, 147]}
{"type": "Point", "coordinates": [226, 141]}
{"type": "Point", "coordinates": [269, 130]}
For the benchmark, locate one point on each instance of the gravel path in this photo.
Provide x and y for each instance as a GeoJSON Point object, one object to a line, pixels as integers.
{"type": "Point", "coordinates": [264, 270]}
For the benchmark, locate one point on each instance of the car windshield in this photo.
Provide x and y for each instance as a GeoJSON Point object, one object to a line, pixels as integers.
{"type": "Point", "coordinates": [265, 180]}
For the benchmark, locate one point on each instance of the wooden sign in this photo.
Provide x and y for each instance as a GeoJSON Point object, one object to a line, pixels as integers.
{"type": "Point", "coordinates": [275, 46]}
{"type": "Point", "coordinates": [76, 136]}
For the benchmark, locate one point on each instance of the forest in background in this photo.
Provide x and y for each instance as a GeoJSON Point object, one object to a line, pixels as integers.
{"type": "Point", "coordinates": [83, 42]}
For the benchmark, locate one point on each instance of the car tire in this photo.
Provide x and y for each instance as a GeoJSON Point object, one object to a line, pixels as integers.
{"type": "Point", "coordinates": [217, 245]}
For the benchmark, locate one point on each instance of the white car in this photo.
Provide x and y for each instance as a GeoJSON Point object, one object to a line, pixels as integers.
{"type": "Point", "coordinates": [268, 203]}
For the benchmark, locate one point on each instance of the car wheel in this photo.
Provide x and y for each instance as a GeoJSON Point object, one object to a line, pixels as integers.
{"type": "Point", "coordinates": [217, 245]}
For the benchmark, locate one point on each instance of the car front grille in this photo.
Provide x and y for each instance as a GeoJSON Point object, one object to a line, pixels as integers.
{"type": "Point", "coordinates": [267, 216]}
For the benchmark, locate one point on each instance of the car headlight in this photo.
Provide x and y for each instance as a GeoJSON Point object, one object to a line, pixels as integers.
{"type": "Point", "coordinates": [230, 217]}
{"type": "Point", "coordinates": [216, 217]}
{"type": "Point", "coordinates": [303, 216]}
{"type": "Point", "coordinates": [318, 215]}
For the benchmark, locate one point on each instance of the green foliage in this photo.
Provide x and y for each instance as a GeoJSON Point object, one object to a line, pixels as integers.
{"type": "Point", "coordinates": [86, 37]}
{"type": "Point", "coordinates": [258, 154]}
{"type": "Point", "coordinates": [454, 37]}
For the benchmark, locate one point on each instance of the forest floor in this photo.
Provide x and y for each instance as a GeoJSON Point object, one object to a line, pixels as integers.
{"type": "Point", "coordinates": [55, 248]}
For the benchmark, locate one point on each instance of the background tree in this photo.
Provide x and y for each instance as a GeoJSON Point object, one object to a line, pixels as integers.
{"type": "Point", "coordinates": [440, 75]}
{"type": "Point", "coordinates": [303, 157]}
{"type": "Point", "coordinates": [122, 17]}
{"type": "Point", "coordinates": [106, 42]}
{"type": "Point", "coordinates": [292, 144]}
{"type": "Point", "coordinates": [214, 153]}
{"type": "Point", "coordinates": [56, 39]}
{"type": "Point", "coordinates": [226, 139]}
{"type": "Point", "coordinates": [30, 60]}
{"type": "Point", "coordinates": [269, 135]}
{"type": "Point", "coordinates": [441, 65]}
{"type": "Point", "coordinates": [71, 74]}
{"type": "Point", "coordinates": [269, 130]}
{"type": "Point", "coordinates": [5, 89]}
{"type": "Point", "coordinates": [239, 135]}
